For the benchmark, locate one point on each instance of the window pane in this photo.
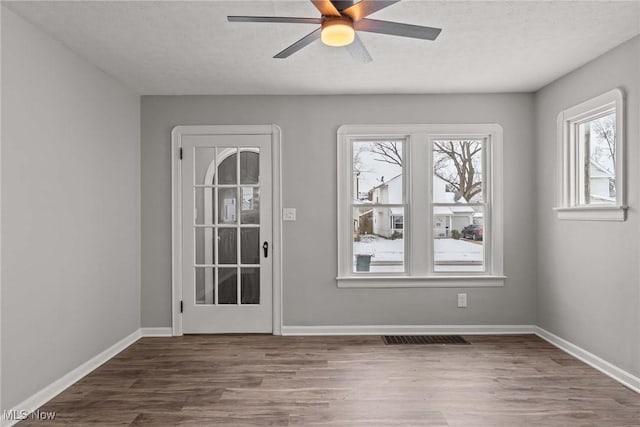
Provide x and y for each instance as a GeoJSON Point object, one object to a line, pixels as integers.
{"type": "Point", "coordinates": [377, 172]}
{"type": "Point", "coordinates": [227, 286]}
{"type": "Point", "coordinates": [227, 165]}
{"type": "Point", "coordinates": [249, 166]}
{"type": "Point", "coordinates": [250, 245]}
{"type": "Point", "coordinates": [250, 208]}
{"type": "Point", "coordinates": [458, 238]}
{"type": "Point", "coordinates": [227, 246]}
{"type": "Point", "coordinates": [205, 249]}
{"type": "Point", "coordinates": [205, 293]}
{"type": "Point", "coordinates": [250, 285]}
{"type": "Point", "coordinates": [378, 243]}
{"type": "Point", "coordinates": [204, 165]}
{"type": "Point", "coordinates": [457, 171]}
{"type": "Point", "coordinates": [227, 209]}
{"type": "Point", "coordinates": [597, 155]}
{"type": "Point", "coordinates": [205, 205]}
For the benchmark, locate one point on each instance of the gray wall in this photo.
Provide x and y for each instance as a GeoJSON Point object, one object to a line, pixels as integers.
{"type": "Point", "coordinates": [588, 278]}
{"type": "Point", "coordinates": [70, 210]}
{"type": "Point", "coordinates": [309, 125]}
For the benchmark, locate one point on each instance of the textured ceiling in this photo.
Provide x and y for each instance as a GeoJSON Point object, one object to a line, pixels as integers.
{"type": "Point", "coordinates": [189, 48]}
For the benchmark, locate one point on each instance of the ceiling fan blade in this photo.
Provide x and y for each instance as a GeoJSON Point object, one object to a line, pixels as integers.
{"type": "Point", "coordinates": [326, 7]}
{"type": "Point", "coordinates": [397, 29]}
{"type": "Point", "coordinates": [365, 8]}
{"type": "Point", "coordinates": [306, 40]}
{"type": "Point", "coordinates": [278, 19]}
{"type": "Point", "coordinates": [358, 51]}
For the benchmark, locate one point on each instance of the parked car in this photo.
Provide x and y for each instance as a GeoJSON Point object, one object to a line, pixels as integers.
{"type": "Point", "coordinates": [473, 231]}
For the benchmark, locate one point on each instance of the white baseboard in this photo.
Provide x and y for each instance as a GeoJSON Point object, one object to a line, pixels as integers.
{"type": "Point", "coordinates": [55, 388]}
{"type": "Point", "coordinates": [156, 332]}
{"type": "Point", "coordinates": [409, 329]}
{"type": "Point", "coordinates": [32, 403]}
{"type": "Point", "coordinates": [591, 359]}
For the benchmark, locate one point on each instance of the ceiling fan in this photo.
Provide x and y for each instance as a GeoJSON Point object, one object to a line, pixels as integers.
{"type": "Point", "coordinates": [339, 24]}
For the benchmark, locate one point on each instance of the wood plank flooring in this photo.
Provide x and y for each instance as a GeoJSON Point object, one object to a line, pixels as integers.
{"type": "Point", "coordinates": [258, 380]}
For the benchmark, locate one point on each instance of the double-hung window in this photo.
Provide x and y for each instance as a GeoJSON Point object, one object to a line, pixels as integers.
{"type": "Point", "coordinates": [591, 156]}
{"type": "Point", "coordinates": [420, 205]}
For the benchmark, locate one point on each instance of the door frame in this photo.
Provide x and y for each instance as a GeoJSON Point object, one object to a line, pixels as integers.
{"type": "Point", "coordinates": [176, 213]}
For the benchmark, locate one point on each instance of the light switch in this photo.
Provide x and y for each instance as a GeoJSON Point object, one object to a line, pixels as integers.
{"type": "Point", "coordinates": [288, 214]}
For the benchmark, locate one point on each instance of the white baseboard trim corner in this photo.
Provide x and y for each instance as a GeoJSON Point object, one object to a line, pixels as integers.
{"type": "Point", "coordinates": [408, 329]}
{"type": "Point", "coordinates": [625, 378]}
{"type": "Point", "coordinates": [156, 332]}
{"type": "Point", "coordinates": [32, 403]}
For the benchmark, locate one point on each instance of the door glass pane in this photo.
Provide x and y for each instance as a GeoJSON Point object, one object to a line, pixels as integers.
{"type": "Point", "coordinates": [227, 286]}
{"type": "Point", "coordinates": [227, 166]}
{"type": "Point", "coordinates": [250, 245]}
{"type": "Point", "coordinates": [205, 205]}
{"type": "Point", "coordinates": [597, 166]}
{"type": "Point", "coordinates": [378, 239]}
{"type": "Point", "coordinates": [205, 293]}
{"type": "Point", "coordinates": [227, 202]}
{"type": "Point", "coordinates": [250, 210]}
{"type": "Point", "coordinates": [205, 248]}
{"type": "Point", "coordinates": [249, 166]}
{"type": "Point", "coordinates": [204, 165]}
{"type": "Point", "coordinates": [377, 172]}
{"type": "Point", "coordinates": [227, 246]}
{"type": "Point", "coordinates": [250, 290]}
{"type": "Point", "coordinates": [458, 238]}
{"type": "Point", "coordinates": [457, 171]}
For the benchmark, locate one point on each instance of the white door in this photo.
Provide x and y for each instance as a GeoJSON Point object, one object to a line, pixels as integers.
{"type": "Point", "coordinates": [226, 233]}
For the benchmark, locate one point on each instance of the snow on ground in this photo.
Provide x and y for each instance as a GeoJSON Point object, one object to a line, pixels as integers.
{"type": "Point", "coordinates": [457, 250]}
{"type": "Point", "coordinates": [381, 249]}
{"type": "Point", "coordinates": [391, 250]}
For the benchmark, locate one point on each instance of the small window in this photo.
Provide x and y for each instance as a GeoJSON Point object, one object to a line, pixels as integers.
{"type": "Point", "coordinates": [591, 154]}
{"type": "Point", "coordinates": [397, 222]}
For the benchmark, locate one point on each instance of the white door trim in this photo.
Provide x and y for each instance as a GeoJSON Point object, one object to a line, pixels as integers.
{"type": "Point", "coordinates": [176, 213]}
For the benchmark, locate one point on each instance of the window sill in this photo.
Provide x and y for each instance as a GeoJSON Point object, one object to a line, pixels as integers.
{"type": "Point", "coordinates": [592, 213]}
{"type": "Point", "coordinates": [459, 281]}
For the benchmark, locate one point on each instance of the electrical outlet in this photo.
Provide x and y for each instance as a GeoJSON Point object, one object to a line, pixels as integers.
{"type": "Point", "coordinates": [462, 300]}
{"type": "Point", "coordinates": [289, 214]}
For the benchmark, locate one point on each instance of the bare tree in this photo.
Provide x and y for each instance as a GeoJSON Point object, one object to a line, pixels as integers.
{"type": "Point", "coordinates": [605, 130]}
{"type": "Point", "coordinates": [387, 151]}
{"type": "Point", "coordinates": [458, 163]}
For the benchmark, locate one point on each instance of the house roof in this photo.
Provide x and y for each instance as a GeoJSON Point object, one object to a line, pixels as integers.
{"type": "Point", "coordinates": [596, 170]}
{"type": "Point", "coordinates": [387, 182]}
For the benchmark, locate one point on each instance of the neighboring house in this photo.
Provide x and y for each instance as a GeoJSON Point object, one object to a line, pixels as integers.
{"type": "Point", "coordinates": [387, 221]}
{"type": "Point", "coordinates": [449, 218]}
{"type": "Point", "coordinates": [601, 184]}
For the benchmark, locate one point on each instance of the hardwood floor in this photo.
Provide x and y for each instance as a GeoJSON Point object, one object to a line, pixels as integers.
{"type": "Point", "coordinates": [256, 380]}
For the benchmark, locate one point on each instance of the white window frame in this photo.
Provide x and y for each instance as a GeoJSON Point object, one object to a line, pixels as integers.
{"type": "Point", "coordinates": [418, 235]}
{"type": "Point", "coordinates": [569, 175]}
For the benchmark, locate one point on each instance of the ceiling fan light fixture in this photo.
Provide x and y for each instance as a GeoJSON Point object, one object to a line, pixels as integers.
{"type": "Point", "coordinates": [337, 32]}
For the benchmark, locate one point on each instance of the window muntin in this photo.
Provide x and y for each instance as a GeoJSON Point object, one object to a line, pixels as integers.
{"type": "Point", "coordinates": [378, 202]}
{"type": "Point", "coordinates": [480, 265]}
{"type": "Point", "coordinates": [591, 156]}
